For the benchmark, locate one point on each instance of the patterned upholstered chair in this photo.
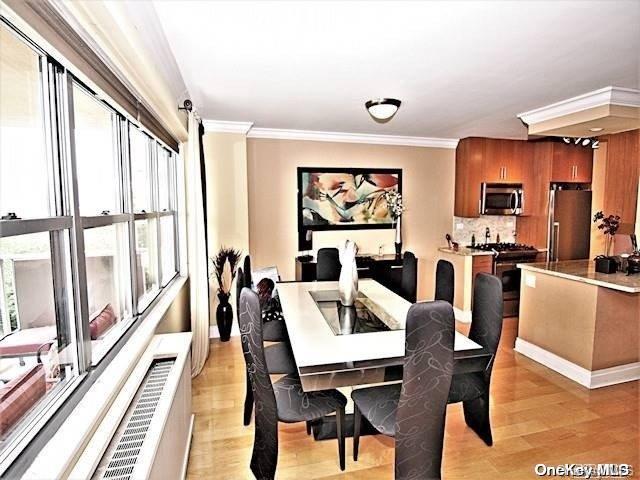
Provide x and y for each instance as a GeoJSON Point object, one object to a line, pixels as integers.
{"type": "Point", "coordinates": [409, 281]}
{"type": "Point", "coordinates": [486, 326]}
{"type": "Point", "coordinates": [328, 265]}
{"type": "Point", "coordinates": [283, 400]}
{"type": "Point", "coordinates": [279, 356]}
{"type": "Point", "coordinates": [444, 281]}
{"type": "Point", "coordinates": [414, 412]}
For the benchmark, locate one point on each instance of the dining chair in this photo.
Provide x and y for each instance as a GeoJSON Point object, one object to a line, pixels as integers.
{"type": "Point", "coordinates": [247, 271]}
{"type": "Point", "coordinates": [327, 265]}
{"type": "Point", "coordinates": [278, 356]}
{"type": "Point", "coordinates": [414, 412]}
{"type": "Point", "coordinates": [444, 281]}
{"type": "Point", "coordinates": [409, 281]}
{"type": "Point", "coordinates": [472, 389]}
{"type": "Point", "coordinates": [283, 400]}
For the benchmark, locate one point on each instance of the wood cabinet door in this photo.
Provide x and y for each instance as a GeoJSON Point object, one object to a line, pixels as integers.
{"type": "Point", "coordinates": [494, 161]}
{"type": "Point", "coordinates": [572, 163]}
{"type": "Point", "coordinates": [562, 170]}
{"type": "Point", "coordinates": [469, 177]}
{"type": "Point", "coordinates": [583, 165]}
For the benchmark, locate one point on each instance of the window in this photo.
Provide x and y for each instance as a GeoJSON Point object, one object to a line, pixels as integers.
{"type": "Point", "coordinates": [141, 175]}
{"type": "Point", "coordinates": [96, 154]}
{"type": "Point", "coordinates": [87, 234]}
{"type": "Point", "coordinates": [23, 159]}
{"type": "Point", "coordinates": [108, 284]}
{"type": "Point", "coordinates": [38, 347]}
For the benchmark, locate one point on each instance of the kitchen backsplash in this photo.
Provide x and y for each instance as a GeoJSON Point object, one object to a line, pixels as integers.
{"type": "Point", "coordinates": [464, 228]}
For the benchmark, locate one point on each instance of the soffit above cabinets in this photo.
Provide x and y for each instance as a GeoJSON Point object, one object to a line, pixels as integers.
{"type": "Point", "coordinates": [612, 109]}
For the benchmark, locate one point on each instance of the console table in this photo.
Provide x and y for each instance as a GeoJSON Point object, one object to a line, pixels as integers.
{"type": "Point", "coordinates": [385, 269]}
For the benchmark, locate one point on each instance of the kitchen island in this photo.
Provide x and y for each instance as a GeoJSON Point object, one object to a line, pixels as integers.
{"type": "Point", "coordinates": [583, 324]}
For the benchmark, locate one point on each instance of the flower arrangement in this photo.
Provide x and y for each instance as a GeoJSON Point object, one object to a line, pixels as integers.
{"type": "Point", "coordinates": [609, 226]}
{"type": "Point", "coordinates": [394, 203]}
{"type": "Point", "coordinates": [225, 267]}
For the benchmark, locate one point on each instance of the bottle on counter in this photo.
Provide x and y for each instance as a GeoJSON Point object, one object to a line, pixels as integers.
{"type": "Point", "coordinates": [473, 239]}
{"type": "Point", "coordinates": [497, 238]}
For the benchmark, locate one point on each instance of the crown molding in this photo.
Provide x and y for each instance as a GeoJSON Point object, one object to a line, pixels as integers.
{"type": "Point", "coordinates": [628, 97]}
{"type": "Point", "coordinates": [373, 139]}
{"type": "Point", "coordinates": [221, 126]}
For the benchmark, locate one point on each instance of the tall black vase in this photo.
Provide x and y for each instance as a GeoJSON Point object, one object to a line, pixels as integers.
{"type": "Point", "coordinates": [224, 317]}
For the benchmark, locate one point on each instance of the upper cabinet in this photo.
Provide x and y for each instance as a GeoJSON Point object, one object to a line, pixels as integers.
{"type": "Point", "coordinates": [493, 160]}
{"type": "Point", "coordinates": [571, 163]}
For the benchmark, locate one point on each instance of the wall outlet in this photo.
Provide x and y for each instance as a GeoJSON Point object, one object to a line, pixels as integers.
{"type": "Point", "coordinates": [459, 226]}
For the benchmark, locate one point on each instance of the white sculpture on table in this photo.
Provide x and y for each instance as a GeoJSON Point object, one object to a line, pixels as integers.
{"type": "Point", "coordinates": [348, 283]}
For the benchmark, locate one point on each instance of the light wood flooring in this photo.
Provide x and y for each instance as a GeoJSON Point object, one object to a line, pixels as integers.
{"type": "Point", "coordinates": [537, 416]}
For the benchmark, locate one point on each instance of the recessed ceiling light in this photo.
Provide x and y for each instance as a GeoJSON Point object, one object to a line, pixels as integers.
{"type": "Point", "coordinates": [596, 129]}
{"type": "Point", "coordinates": [382, 109]}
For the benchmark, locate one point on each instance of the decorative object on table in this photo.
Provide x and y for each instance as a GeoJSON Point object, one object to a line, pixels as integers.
{"type": "Point", "coordinates": [455, 246]}
{"type": "Point", "coordinates": [609, 226]}
{"type": "Point", "coordinates": [343, 199]}
{"type": "Point", "coordinates": [447, 237]}
{"type": "Point", "coordinates": [348, 282]}
{"type": "Point", "coordinates": [225, 266]}
{"type": "Point", "coordinates": [633, 260]}
{"type": "Point", "coordinates": [396, 208]}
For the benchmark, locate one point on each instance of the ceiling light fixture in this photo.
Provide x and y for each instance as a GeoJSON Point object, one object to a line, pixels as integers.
{"type": "Point", "coordinates": [596, 129]}
{"type": "Point", "coordinates": [586, 142]}
{"type": "Point", "coordinates": [382, 109]}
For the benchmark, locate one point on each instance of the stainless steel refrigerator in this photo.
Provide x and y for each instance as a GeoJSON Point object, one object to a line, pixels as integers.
{"type": "Point", "coordinates": [569, 224]}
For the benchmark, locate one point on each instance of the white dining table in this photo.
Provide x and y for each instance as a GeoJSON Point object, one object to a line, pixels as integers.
{"type": "Point", "coordinates": [329, 360]}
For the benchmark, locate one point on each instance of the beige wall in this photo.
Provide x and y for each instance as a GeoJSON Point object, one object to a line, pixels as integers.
{"type": "Point", "coordinates": [428, 188]}
{"type": "Point", "coordinates": [178, 316]}
{"type": "Point", "coordinates": [227, 198]}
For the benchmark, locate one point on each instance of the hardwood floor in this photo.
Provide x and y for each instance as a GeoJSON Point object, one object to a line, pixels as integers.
{"type": "Point", "coordinates": [537, 416]}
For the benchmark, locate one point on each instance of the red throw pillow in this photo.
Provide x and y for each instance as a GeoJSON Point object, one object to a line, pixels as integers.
{"type": "Point", "coordinates": [102, 322]}
{"type": "Point", "coordinates": [19, 395]}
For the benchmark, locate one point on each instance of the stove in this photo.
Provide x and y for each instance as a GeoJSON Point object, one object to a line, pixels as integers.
{"type": "Point", "coordinates": [513, 251]}
{"type": "Point", "coordinates": [505, 259]}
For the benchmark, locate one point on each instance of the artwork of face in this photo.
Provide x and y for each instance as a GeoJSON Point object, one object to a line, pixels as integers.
{"type": "Point", "coordinates": [346, 198]}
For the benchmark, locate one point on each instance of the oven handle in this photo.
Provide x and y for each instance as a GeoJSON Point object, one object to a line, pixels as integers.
{"type": "Point", "coordinates": [513, 200]}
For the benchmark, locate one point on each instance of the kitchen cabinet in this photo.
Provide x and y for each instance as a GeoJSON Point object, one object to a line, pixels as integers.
{"type": "Point", "coordinates": [469, 176]}
{"type": "Point", "coordinates": [572, 163]}
{"type": "Point", "coordinates": [502, 161]}
{"type": "Point", "coordinates": [621, 178]}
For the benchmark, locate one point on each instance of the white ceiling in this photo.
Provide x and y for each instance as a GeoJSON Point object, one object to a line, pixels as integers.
{"type": "Point", "coordinates": [460, 68]}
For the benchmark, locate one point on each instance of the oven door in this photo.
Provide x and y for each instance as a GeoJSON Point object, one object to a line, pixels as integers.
{"type": "Point", "coordinates": [501, 199]}
{"type": "Point", "coordinates": [510, 275]}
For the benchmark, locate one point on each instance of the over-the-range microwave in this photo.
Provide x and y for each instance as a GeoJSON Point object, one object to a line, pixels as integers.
{"type": "Point", "coordinates": [501, 199]}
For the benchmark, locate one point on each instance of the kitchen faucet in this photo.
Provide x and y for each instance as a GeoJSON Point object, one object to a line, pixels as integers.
{"type": "Point", "coordinates": [487, 235]}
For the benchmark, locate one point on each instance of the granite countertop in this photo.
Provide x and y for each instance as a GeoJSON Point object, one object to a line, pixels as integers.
{"type": "Point", "coordinates": [585, 271]}
{"type": "Point", "coordinates": [464, 251]}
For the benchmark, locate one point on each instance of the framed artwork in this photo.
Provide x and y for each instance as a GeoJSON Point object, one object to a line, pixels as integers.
{"type": "Point", "coordinates": [345, 198]}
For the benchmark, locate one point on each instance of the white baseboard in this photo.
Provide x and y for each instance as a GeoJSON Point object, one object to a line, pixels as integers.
{"type": "Point", "coordinates": [590, 379]}
{"type": "Point", "coordinates": [463, 316]}
{"type": "Point", "coordinates": [213, 331]}
{"type": "Point", "coordinates": [185, 460]}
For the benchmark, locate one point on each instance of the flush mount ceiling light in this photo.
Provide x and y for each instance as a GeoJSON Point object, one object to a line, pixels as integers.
{"type": "Point", "coordinates": [382, 109]}
{"type": "Point", "coordinates": [596, 129]}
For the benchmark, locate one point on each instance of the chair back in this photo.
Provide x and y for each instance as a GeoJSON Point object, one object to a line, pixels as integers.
{"type": "Point", "coordinates": [409, 282]}
{"type": "Point", "coordinates": [239, 286]}
{"type": "Point", "coordinates": [248, 281]}
{"type": "Point", "coordinates": [428, 367]}
{"type": "Point", "coordinates": [265, 451]}
{"type": "Point", "coordinates": [328, 264]}
{"type": "Point", "coordinates": [486, 317]}
{"type": "Point", "coordinates": [444, 281]}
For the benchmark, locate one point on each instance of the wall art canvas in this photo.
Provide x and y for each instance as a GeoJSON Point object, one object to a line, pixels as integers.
{"type": "Point", "coordinates": [335, 198]}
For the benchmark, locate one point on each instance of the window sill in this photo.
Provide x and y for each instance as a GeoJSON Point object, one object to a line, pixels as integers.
{"type": "Point", "coordinates": [81, 423]}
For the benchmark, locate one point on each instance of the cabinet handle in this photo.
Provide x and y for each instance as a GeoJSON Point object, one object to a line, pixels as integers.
{"type": "Point", "coordinates": [576, 170]}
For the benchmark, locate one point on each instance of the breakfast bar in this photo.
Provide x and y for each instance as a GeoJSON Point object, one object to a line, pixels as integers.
{"type": "Point", "coordinates": [583, 324]}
